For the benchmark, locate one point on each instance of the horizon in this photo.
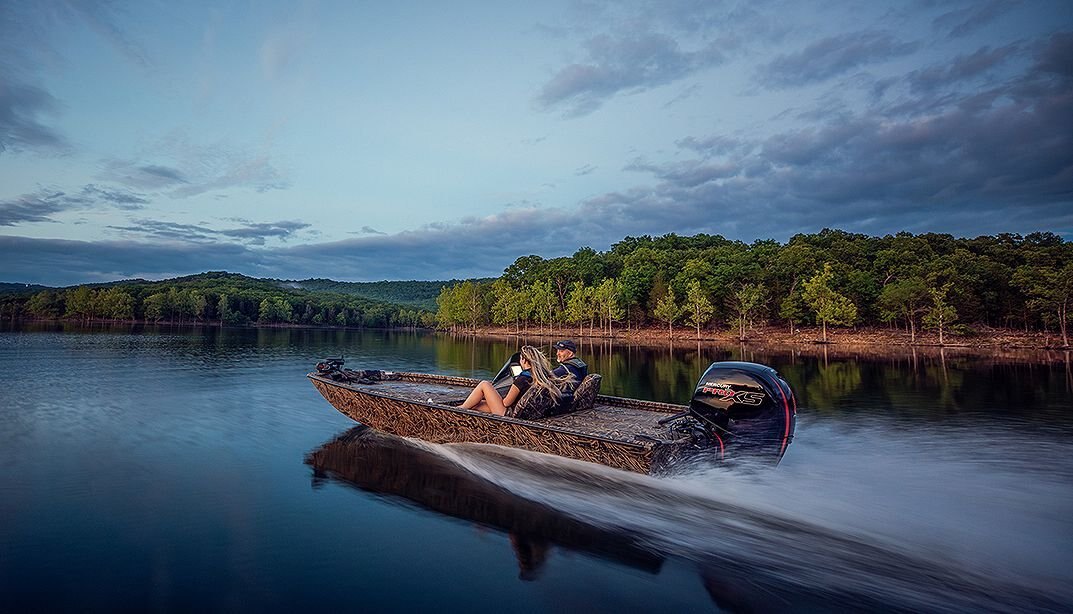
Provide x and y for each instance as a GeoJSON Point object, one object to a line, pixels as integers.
{"type": "Point", "coordinates": [374, 281]}
{"type": "Point", "coordinates": [281, 141]}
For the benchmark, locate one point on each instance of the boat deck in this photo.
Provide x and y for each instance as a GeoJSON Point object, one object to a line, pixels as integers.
{"type": "Point", "coordinates": [613, 418]}
{"type": "Point", "coordinates": [613, 422]}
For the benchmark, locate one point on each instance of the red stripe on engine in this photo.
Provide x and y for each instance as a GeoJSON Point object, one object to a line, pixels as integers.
{"type": "Point", "coordinates": [786, 422]}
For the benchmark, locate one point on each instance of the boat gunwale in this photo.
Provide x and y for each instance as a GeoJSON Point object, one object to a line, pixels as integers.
{"type": "Point", "coordinates": [657, 407]}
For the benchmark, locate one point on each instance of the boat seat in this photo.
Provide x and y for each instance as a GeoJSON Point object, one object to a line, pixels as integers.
{"type": "Point", "coordinates": [533, 405]}
{"type": "Point", "coordinates": [586, 391]}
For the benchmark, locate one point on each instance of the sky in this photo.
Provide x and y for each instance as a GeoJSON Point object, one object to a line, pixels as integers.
{"type": "Point", "coordinates": [362, 141]}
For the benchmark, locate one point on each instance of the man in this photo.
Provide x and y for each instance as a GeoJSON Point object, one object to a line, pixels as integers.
{"type": "Point", "coordinates": [568, 363]}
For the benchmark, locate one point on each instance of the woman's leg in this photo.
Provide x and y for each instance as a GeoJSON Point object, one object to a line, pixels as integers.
{"type": "Point", "coordinates": [485, 398]}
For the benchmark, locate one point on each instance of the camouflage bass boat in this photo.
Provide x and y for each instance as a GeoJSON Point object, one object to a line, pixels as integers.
{"type": "Point", "coordinates": [738, 408]}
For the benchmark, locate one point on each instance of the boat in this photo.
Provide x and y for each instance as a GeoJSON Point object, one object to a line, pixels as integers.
{"type": "Point", "coordinates": [738, 410]}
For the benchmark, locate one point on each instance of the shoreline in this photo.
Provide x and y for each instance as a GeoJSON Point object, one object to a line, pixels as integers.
{"type": "Point", "coordinates": [983, 338]}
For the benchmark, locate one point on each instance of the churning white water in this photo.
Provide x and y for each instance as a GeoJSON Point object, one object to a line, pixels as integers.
{"type": "Point", "coordinates": [858, 517]}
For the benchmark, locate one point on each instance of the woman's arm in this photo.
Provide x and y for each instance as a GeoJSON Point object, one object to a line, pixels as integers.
{"type": "Point", "coordinates": [512, 396]}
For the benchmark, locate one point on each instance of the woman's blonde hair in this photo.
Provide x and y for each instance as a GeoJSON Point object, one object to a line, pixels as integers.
{"type": "Point", "coordinates": [543, 378]}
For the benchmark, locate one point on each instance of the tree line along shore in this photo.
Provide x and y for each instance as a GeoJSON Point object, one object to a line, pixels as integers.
{"type": "Point", "coordinates": [851, 288]}
{"type": "Point", "coordinates": [927, 288]}
{"type": "Point", "coordinates": [215, 298]}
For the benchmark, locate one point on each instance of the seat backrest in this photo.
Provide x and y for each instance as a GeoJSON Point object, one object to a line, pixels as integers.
{"type": "Point", "coordinates": [586, 391]}
{"type": "Point", "coordinates": [533, 405]}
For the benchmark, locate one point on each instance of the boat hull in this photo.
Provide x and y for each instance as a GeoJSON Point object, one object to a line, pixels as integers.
{"type": "Point", "coordinates": [438, 423]}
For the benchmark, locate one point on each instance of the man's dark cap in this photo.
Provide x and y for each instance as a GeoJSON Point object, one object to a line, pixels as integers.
{"type": "Point", "coordinates": [566, 344]}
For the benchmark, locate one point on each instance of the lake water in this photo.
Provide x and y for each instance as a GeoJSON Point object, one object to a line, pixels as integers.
{"type": "Point", "coordinates": [171, 469]}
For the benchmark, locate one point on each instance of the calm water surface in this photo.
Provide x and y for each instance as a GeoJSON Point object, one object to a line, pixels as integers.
{"type": "Point", "coordinates": [173, 469]}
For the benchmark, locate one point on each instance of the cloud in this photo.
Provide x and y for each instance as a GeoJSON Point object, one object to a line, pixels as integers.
{"type": "Point", "coordinates": [963, 22]}
{"type": "Point", "coordinates": [1055, 55]}
{"type": "Point", "coordinates": [41, 205]}
{"type": "Point", "coordinates": [24, 31]}
{"type": "Point", "coordinates": [22, 107]}
{"type": "Point", "coordinates": [996, 159]}
{"type": "Point", "coordinates": [141, 176]}
{"type": "Point", "coordinates": [256, 173]}
{"type": "Point", "coordinates": [122, 199]}
{"type": "Point", "coordinates": [196, 170]}
{"type": "Point", "coordinates": [832, 56]}
{"type": "Point", "coordinates": [100, 17]}
{"type": "Point", "coordinates": [62, 262]}
{"type": "Point", "coordinates": [470, 248]}
{"type": "Point", "coordinates": [622, 63]}
{"type": "Point", "coordinates": [961, 68]}
{"type": "Point", "coordinates": [252, 233]}
{"type": "Point", "coordinates": [258, 232]}
{"type": "Point", "coordinates": [367, 230]}
{"type": "Point", "coordinates": [33, 208]}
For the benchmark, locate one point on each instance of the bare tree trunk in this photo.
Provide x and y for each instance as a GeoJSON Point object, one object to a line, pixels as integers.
{"type": "Point", "coordinates": [1062, 324]}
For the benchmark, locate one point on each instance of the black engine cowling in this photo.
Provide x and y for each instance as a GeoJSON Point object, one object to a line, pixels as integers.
{"type": "Point", "coordinates": [746, 406]}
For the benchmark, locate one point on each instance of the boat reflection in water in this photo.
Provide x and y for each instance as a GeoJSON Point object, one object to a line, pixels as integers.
{"type": "Point", "coordinates": [749, 556]}
{"type": "Point", "coordinates": [410, 469]}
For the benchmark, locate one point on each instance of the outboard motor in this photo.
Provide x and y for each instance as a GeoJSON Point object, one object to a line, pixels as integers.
{"type": "Point", "coordinates": [745, 406]}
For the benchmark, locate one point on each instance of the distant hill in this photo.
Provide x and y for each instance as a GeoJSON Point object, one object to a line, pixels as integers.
{"type": "Point", "coordinates": [230, 299]}
{"type": "Point", "coordinates": [415, 293]}
{"type": "Point", "coordinates": [10, 288]}
{"type": "Point", "coordinates": [420, 294]}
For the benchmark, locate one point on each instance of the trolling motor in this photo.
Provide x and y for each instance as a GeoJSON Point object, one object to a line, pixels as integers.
{"type": "Point", "coordinates": [743, 405]}
{"type": "Point", "coordinates": [328, 365]}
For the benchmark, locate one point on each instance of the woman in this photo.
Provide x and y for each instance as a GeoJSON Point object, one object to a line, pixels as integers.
{"type": "Point", "coordinates": [536, 371]}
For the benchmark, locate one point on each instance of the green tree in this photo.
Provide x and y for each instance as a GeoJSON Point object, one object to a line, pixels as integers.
{"type": "Point", "coordinates": [117, 304]}
{"type": "Point", "coordinates": [793, 309]}
{"type": "Point", "coordinates": [46, 304]}
{"type": "Point", "coordinates": [579, 305]}
{"type": "Point", "coordinates": [941, 313]}
{"type": "Point", "coordinates": [155, 306]}
{"type": "Point", "coordinates": [608, 299]}
{"type": "Point", "coordinates": [828, 305]}
{"type": "Point", "coordinates": [639, 271]}
{"type": "Point", "coordinates": [472, 302]}
{"type": "Point", "coordinates": [223, 307]}
{"type": "Point", "coordinates": [746, 301]}
{"type": "Point", "coordinates": [505, 301]}
{"type": "Point", "coordinates": [1050, 291]}
{"type": "Point", "coordinates": [698, 305]}
{"type": "Point", "coordinates": [542, 297]}
{"type": "Point", "coordinates": [80, 303]}
{"type": "Point", "coordinates": [667, 310]}
{"type": "Point", "coordinates": [904, 298]}
{"type": "Point", "coordinates": [277, 309]}
{"type": "Point", "coordinates": [450, 311]}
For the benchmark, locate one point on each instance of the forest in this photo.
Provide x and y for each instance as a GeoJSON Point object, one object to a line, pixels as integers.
{"type": "Point", "coordinates": [209, 298]}
{"type": "Point", "coordinates": [830, 278]}
{"type": "Point", "coordinates": [421, 294]}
